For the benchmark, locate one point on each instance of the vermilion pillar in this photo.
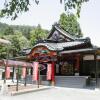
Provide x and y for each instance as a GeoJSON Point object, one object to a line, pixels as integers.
{"type": "Point", "coordinates": [7, 72]}
{"type": "Point", "coordinates": [53, 73]}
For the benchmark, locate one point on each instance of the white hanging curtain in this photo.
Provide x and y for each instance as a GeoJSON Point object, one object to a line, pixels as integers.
{"type": "Point", "coordinates": [49, 71]}
{"type": "Point", "coordinates": [35, 71]}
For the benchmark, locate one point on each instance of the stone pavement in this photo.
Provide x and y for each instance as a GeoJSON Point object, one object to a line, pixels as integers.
{"type": "Point", "coordinates": [11, 89]}
{"type": "Point", "coordinates": [58, 93]}
{"type": "Point", "coordinates": [54, 93]}
{"type": "Point", "coordinates": [28, 89]}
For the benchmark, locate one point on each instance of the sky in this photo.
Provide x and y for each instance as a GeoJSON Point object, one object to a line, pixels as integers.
{"type": "Point", "coordinates": [48, 12]}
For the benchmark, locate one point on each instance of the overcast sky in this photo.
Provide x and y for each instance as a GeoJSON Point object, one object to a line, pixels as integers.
{"type": "Point", "coordinates": [48, 12]}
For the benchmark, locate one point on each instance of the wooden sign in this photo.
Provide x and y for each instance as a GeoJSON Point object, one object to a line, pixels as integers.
{"type": "Point", "coordinates": [88, 57]}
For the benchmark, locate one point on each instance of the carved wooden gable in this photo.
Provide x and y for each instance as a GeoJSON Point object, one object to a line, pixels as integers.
{"type": "Point", "coordinates": [58, 34]}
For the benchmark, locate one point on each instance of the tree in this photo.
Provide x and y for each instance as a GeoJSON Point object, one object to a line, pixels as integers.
{"type": "Point", "coordinates": [18, 43]}
{"type": "Point", "coordinates": [37, 34]}
{"type": "Point", "coordinates": [3, 26]}
{"type": "Point", "coordinates": [69, 23]}
{"type": "Point", "coordinates": [15, 7]}
{"type": "Point", "coordinates": [9, 31]}
{"type": "Point", "coordinates": [74, 4]}
{"type": "Point", "coordinates": [3, 51]}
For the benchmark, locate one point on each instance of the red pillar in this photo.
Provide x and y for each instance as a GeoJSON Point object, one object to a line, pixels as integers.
{"type": "Point", "coordinates": [7, 72]}
{"type": "Point", "coordinates": [36, 71]}
{"type": "Point", "coordinates": [53, 73]}
{"type": "Point", "coordinates": [49, 71]}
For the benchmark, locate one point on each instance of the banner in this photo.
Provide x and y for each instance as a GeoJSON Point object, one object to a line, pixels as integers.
{"type": "Point", "coordinates": [23, 72]}
{"type": "Point", "coordinates": [49, 71]}
{"type": "Point", "coordinates": [35, 71]}
{"type": "Point", "coordinates": [53, 71]}
{"type": "Point", "coordinates": [7, 72]}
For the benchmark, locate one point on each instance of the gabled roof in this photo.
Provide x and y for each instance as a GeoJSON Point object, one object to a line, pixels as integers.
{"type": "Point", "coordinates": [70, 43]}
{"type": "Point", "coordinates": [62, 32]}
{"type": "Point", "coordinates": [65, 45]}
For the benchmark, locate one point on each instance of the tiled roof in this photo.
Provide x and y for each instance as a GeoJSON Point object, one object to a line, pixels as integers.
{"type": "Point", "coordinates": [63, 32]}
{"type": "Point", "coordinates": [78, 50]}
{"type": "Point", "coordinates": [60, 46]}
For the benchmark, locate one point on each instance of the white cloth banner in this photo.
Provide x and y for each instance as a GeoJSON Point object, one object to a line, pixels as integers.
{"type": "Point", "coordinates": [23, 72]}
{"type": "Point", "coordinates": [49, 71]}
{"type": "Point", "coordinates": [35, 70]}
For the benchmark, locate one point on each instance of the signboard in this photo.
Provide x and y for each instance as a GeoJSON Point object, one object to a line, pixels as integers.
{"type": "Point", "coordinates": [88, 57]}
{"type": "Point", "coordinates": [98, 56]}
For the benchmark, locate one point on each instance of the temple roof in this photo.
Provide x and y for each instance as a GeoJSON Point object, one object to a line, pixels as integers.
{"type": "Point", "coordinates": [78, 50]}
{"type": "Point", "coordinates": [60, 46]}
{"type": "Point", "coordinates": [62, 34]}
{"type": "Point", "coordinates": [60, 40]}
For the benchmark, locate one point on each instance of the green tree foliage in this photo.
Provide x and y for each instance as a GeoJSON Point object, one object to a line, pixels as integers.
{"type": "Point", "coordinates": [14, 7]}
{"type": "Point", "coordinates": [8, 31]}
{"type": "Point", "coordinates": [21, 37]}
{"type": "Point", "coordinates": [69, 23]}
{"type": "Point", "coordinates": [24, 29]}
{"type": "Point", "coordinates": [37, 34]}
{"type": "Point", "coordinates": [3, 26]}
{"type": "Point", "coordinates": [11, 29]}
{"type": "Point", "coordinates": [3, 51]}
{"type": "Point", "coordinates": [74, 5]}
{"type": "Point", "coordinates": [19, 42]}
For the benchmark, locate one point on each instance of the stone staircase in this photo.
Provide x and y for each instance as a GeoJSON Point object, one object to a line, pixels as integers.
{"type": "Point", "coordinates": [71, 81]}
{"type": "Point", "coordinates": [62, 81]}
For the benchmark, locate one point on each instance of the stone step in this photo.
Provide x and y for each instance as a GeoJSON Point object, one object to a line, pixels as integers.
{"type": "Point", "coordinates": [70, 81]}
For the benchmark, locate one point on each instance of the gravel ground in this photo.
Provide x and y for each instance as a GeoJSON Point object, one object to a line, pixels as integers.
{"type": "Point", "coordinates": [58, 93]}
